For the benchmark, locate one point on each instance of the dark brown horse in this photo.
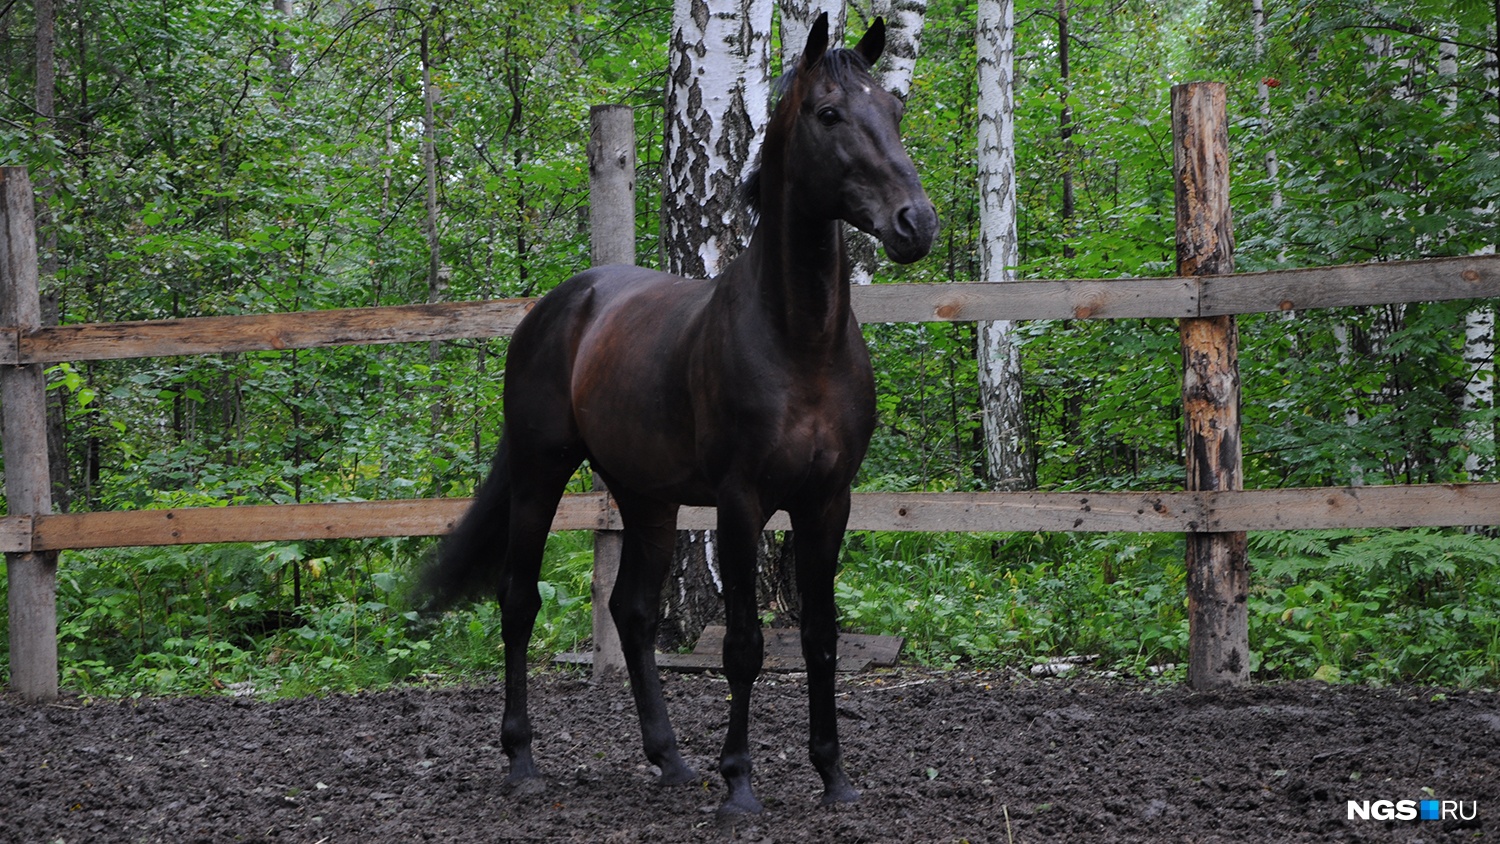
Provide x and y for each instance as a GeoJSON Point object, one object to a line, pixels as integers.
{"type": "Point", "coordinates": [751, 392]}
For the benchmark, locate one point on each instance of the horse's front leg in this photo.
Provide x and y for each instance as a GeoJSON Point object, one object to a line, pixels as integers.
{"type": "Point", "coordinates": [817, 533]}
{"type": "Point", "coordinates": [744, 648]}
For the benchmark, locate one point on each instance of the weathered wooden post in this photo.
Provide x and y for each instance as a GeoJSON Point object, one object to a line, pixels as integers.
{"type": "Point", "coordinates": [32, 576]}
{"type": "Point", "coordinates": [612, 241]}
{"type": "Point", "coordinates": [1218, 579]}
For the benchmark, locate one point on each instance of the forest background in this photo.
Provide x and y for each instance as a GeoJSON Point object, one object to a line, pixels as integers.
{"type": "Point", "coordinates": [210, 157]}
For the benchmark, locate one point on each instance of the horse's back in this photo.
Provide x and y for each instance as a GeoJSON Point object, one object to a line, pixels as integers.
{"type": "Point", "coordinates": [608, 351]}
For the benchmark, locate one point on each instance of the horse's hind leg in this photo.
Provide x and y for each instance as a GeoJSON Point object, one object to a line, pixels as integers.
{"type": "Point", "coordinates": [650, 537]}
{"type": "Point", "coordinates": [817, 534]}
{"type": "Point", "coordinates": [740, 522]}
{"type": "Point", "coordinates": [539, 476]}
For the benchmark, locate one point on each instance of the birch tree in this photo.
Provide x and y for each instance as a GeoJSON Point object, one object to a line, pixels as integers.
{"type": "Point", "coordinates": [797, 17]}
{"type": "Point", "coordinates": [717, 102]}
{"type": "Point", "coordinates": [903, 41]}
{"type": "Point", "coordinates": [1479, 323]}
{"type": "Point", "coordinates": [1009, 456]}
{"type": "Point", "coordinates": [717, 98]}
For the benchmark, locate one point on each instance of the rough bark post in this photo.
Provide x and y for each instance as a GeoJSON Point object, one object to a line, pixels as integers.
{"type": "Point", "coordinates": [612, 241]}
{"type": "Point", "coordinates": [32, 576]}
{"type": "Point", "coordinates": [1217, 566]}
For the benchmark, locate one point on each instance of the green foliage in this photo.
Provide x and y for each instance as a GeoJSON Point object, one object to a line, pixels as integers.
{"type": "Point", "coordinates": [216, 159]}
{"type": "Point", "coordinates": [1354, 606]}
{"type": "Point", "coordinates": [167, 621]}
{"type": "Point", "coordinates": [1390, 606]}
{"type": "Point", "coordinates": [1008, 599]}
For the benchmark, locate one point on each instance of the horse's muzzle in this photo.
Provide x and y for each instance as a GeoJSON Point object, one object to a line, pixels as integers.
{"type": "Point", "coordinates": [911, 232]}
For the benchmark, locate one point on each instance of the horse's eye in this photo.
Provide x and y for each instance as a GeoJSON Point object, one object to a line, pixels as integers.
{"type": "Point", "coordinates": [828, 116]}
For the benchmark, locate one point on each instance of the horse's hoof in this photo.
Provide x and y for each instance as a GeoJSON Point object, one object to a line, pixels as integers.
{"type": "Point", "coordinates": [740, 806]}
{"type": "Point", "coordinates": [523, 786]}
{"type": "Point", "coordinates": [679, 774]}
{"type": "Point", "coordinates": [835, 796]}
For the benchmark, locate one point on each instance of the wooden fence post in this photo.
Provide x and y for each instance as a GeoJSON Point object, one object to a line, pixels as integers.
{"type": "Point", "coordinates": [1218, 579]}
{"type": "Point", "coordinates": [612, 241]}
{"type": "Point", "coordinates": [31, 576]}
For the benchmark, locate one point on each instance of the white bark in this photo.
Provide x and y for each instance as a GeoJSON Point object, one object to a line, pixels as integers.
{"type": "Point", "coordinates": [1479, 323]}
{"type": "Point", "coordinates": [1263, 96]}
{"type": "Point", "coordinates": [717, 92]}
{"type": "Point", "coordinates": [903, 42]}
{"type": "Point", "coordinates": [894, 72]}
{"type": "Point", "coordinates": [1009, 459]}
{"type": "Point", "coordinates": [797, 18]}
{"type": "Point", "coordinates": [1479, 392]}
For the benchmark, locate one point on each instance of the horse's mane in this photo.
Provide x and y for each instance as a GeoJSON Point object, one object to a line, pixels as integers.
{"type": "Point", "coordinates": [841, 66]}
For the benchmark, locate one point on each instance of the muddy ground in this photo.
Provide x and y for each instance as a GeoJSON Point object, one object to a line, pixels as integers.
{"type": "Point", "coordinates": [940, 757]}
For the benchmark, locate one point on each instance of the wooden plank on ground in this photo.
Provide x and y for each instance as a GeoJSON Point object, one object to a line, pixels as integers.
{"type": "Point", "coordinates": [785, 643]}
{"type": "Point", "coordinates": [783, 652]}
{"type": "Point", "coordinates": [264, 332]}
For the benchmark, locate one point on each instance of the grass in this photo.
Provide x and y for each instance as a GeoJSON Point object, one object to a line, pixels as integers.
{"type": "Point", "coordinates": [1416, 606]}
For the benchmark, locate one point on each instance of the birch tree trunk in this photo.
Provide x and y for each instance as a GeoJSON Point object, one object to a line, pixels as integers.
{"type": "Point", "coordinates": [437, 281]}
{"type": "Point", "coordinates": [717, 88]}
{"type": "Point", "coordinates": [797, 18]}
{"type": "Point", "coordinates": [1009, 456]}
{"type": "Point", "coordinates": [903, 41]}
{"type": "Point", "coordinates": [717, 98]}
{"type": "Point", "coordinates": [1263, 98]}
{"type": "Point", "coordinates": [1479, 323]}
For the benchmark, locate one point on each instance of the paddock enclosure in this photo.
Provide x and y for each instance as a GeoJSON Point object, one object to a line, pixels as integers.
{"type": "Point", "coordinates": [1212, 510]}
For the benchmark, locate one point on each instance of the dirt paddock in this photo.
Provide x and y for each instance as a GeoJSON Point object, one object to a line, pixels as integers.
{"type": "Point", "coordinates": [939, 757]}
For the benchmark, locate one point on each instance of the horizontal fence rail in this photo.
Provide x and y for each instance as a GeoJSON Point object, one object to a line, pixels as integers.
{"type": "Point", "coordinates": [1440, 279]}
{"type": "Point", "coordinates": [1422, 505]}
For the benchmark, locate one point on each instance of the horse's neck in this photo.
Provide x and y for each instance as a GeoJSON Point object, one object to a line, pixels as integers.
{"type": "Point", "coordinates": [801, 273]}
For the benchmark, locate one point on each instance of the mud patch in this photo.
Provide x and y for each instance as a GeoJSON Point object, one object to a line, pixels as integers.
{"type": "Point", "coordinates": [938, 757]}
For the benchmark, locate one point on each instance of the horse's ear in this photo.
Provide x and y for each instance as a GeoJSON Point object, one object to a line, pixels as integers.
{"type": "Point", "coordinates": [873, 44]}
{"type": "Point", "coordinates": [817, 42]}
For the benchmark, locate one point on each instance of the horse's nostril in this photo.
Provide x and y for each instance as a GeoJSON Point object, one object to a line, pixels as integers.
{"type": "Point", "coordinates": [906, 217]}
{"type": "Point", "coordinates": [913, 222]}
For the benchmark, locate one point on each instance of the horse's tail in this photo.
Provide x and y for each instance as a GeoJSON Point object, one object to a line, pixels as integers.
{"type": "Point", "coordinates": [469, 564]}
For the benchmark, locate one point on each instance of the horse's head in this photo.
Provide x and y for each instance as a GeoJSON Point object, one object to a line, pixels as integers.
{"type": "Point", "coordinates": [842, 145]}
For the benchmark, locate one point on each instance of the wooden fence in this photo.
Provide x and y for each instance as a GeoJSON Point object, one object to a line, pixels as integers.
{"type": "Point", "coordinates": [31, 534]}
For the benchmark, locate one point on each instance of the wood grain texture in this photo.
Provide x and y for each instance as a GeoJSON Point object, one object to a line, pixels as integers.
{"type": "Point", "coordinates": [1439, 279]}
{"type": "Point", "coordinates": [1339, 508]}
{"type": "Point", "coordinates": [1014, 300]}
{"type": "Point", "coordinates": [1424, 505]}
{"type": "Point", "coordinates": [1431, 280]}
{"type": "Point", "coordinates": [31, 576]}
{"type": "Point", "coordinates": [270, 332]}
{"type": "Point", "coordinates": [15, 534]}
{"type": "Point", "coordinates": [283, 522]}
{"type": "Point", "coordinates": [1218, 569]}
